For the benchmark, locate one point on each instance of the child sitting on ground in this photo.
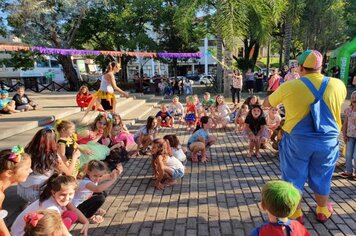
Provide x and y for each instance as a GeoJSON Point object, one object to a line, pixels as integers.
{"type": "Point", "coordinates": [240, 118]}
{"type": "Point", "coordinates": [190, 112]}
{"type": "Point", "coordinates": [273, 119]}
{"type": "Point", "coordinates": [22, 102]}
{"type": "Point", "coordinates": [57, 195]}
{"type": "Point", "coordinates": [252, 101]}
{"type": "Point", "coordinates": [15, 166]}
{"type": "Point", "coordinates": [201, 140]}
{"type": "Point", "coordinates": [67, 147]}
{"type": "Point", "coordinates": [164, 118]}
{"type": "Point", "coordinates": [44, 222]}
{"type": "Point", "coordinates": [177, 150]}
{"type": "Point", "coordinates": [7, 106]}
{"type": "Point", "coordinates": [276, 136]}
{"type": "Point", "coordinates": [280, 199]}
{"type": "Point", "coordinates": [167, 169]}
{"type": "Point", "coordinates": [176, 108]}
{"type": "Point", "coordinates": [83, 97]}
{"type": "Point", "coordinates": [207, 103]}
{"type": "Point", "coordinates": [256, 130]}
{"type": "Point", "coordinates": [198, 105]}
{"type": "Point", "coordinates": [146, 134]}
{"type": "Point", "coordinates": [85, 199]}
{"type": "Point", "coordinates": [221, 112]}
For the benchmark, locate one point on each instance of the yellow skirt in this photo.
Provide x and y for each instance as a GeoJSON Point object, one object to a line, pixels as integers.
{"type": "Point", "coordinates": [110, 97]}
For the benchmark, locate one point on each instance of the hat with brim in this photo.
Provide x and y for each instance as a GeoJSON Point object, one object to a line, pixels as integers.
{"type": "Point", "coordinates": [310, 59]}
{"type": "Point", "coordinates": [4, 92]}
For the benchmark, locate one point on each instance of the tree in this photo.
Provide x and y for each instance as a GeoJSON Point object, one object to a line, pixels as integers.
{"type": "Point", "coordinates": [350, 16]}
{"type": "Point", "coordinates": [291, 16]}
{"type": "Point", "coordinates": [2, 23]}
{"type": "Point", "coordinates": [119, 26]}
{"type": "Point", "coordinates": [323, 26]}
{"type": "Point", "coordinates": [168, 35]}
{"type": "Point", "coordinates": [52, 23]}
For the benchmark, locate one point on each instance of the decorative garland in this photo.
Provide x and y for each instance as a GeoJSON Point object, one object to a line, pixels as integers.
{"type": "Point", "coordinates": [68, 52]}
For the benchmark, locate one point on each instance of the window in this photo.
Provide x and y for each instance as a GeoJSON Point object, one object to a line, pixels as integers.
{"type": "Point", "coordinates": [54, 64]}
{"type": "Point", "coordinates": [41, 63]}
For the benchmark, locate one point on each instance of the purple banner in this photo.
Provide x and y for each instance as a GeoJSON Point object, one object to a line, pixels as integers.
{"type": "Point", "coordinates": [65, 52]}
{"type": "Point", "coordinates": [179, 55]}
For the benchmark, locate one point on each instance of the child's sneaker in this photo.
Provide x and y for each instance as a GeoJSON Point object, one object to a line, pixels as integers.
{"type": "Point", "coordinates": [323, 214]}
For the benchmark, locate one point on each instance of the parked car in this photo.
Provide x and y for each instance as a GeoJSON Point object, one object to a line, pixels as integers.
{"type": "Point", "coordinates": [194, 77]}
{"type": "Point", "coordinates": [206, 79]}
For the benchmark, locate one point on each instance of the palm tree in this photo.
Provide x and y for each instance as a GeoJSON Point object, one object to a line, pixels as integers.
{"type": "Point", "coordinates": [247, 19]}
{"type": "Point", "coordinates": [292, 15]}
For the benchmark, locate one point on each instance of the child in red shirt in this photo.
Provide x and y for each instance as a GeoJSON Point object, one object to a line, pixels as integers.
{"type": "Point", "coordinates": [83, 97]}
{"type": "Point", "coordinates": [279, 200]}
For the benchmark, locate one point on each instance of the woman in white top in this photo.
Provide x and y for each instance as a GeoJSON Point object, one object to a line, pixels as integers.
{"type": "Point", "coordinates": [236, 86]}
{"type": "Point", "coordinates": [105, 95]}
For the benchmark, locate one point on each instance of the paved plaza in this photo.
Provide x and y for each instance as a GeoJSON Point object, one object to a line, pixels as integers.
{"type": "Point", "coordinates": [218, 198]}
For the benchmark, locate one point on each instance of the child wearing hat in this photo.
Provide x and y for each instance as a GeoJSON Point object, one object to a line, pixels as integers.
{"type": "Point", "coordinates": [280, 199]}
{"type": "Point", "coordinates": [7, 106]}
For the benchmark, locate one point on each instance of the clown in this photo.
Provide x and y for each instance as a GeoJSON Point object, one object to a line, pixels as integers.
{"type": "Point", "coordinates": [309, 147]}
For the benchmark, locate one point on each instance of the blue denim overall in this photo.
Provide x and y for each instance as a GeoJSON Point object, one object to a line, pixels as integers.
{"type": "Point", "coordinates": [311, 150]}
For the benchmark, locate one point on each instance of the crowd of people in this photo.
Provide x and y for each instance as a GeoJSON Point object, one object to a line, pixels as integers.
{"type": "Point", "coordinates": [63, 173]}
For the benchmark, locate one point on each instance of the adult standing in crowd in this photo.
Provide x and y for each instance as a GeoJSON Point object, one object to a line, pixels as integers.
{"type": "Point", "coordinates": [309, 147]}
{"type": "Point", "coordinates": [291, 75]}
{"type": "Point", "coordinates": [259, 80]}
{"type": "Point", "coordinates": [284, 71]}
{"type": "Point", "coordinates": [250, 81]}
{"type": "Point", "coordinates": [273, 82]}
{"type": "Point", "coordinates": [236, 86]}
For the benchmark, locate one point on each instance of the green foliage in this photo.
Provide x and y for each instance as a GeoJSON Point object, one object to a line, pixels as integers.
{"type": "Point", "coordinates": [22, 59]}
{"type": "Point", "coordinates": [322, 26]}
{"type": "Point", "coordinates": [350, 16]}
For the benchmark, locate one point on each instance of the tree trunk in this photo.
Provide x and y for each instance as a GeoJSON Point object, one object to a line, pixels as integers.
{"type": "Point", "coordinates": [288, 40]}
{"type": "Point", "coordinates": [123, 73]}
{"type": "Point", "coordinates": [69, 72]}
{"type": "Point", "coordinates": [255, 55]}
{"type": "Point", "coordinates": [227, 72]}
{"type": "Point", "coordinates": [219, 55]}
{"type": "Point", "coordinates": [175, 63]}
{"type": "Point", "coordinates": [281, 47]}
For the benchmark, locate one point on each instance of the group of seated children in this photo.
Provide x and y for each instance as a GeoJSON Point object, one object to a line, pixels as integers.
{"type": "Point", "coordinates": [193, 110]}
{"type": "Point", "coordinates": [20, 102]}
{"type": "Point", "coordinates": [59, 150]}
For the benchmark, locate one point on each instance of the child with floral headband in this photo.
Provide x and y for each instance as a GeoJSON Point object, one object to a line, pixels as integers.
{"type": "Point", "coordinates": [15, 166]}
{"type": "Point", "coordinates": [280, 199]}
{"type": "Point", "coordinates": [95, 139]}
{"type": "Point", "coordinates": [44, 222]}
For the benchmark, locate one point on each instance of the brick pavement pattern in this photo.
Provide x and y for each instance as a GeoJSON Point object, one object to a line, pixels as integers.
{"type": "Point", "coordinates": [218, 198]}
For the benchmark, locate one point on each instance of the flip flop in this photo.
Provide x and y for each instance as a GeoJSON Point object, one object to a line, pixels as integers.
{"type": "Point", "coordinates": [100, 212]}
{"type": "Point", "coordinates": [96, 219]}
